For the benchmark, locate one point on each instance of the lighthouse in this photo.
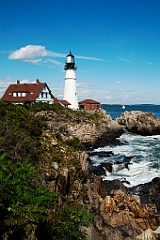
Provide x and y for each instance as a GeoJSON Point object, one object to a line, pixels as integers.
{"type": "Point", "coordinates": [70, 93]}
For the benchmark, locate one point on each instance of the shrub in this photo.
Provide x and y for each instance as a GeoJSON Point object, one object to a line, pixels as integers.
{"type": "Point", "coordinates": [29, 210]}
{"type": "Point", "coordinates": [74, 144]}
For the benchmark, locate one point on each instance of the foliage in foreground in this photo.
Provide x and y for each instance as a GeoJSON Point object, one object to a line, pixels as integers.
{"type": "Point", "coordinates": [28, 209]}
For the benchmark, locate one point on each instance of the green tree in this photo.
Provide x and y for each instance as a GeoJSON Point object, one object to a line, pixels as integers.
{"type": "Point", "coordinates": [30, 211]}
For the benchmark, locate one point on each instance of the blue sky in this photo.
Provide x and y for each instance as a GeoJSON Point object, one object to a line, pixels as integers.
{"type": "Point", "coordinates": [116, 44]}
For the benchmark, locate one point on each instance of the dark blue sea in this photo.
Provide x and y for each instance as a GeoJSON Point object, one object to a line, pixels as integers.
{"type": "Point", "coordinates": [116, 110]}
{"type": "Point", "coordinates": [143, 151]}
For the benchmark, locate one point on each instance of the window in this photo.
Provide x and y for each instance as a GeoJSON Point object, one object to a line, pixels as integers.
{"type": "Point", "coordinates": [24, 94]}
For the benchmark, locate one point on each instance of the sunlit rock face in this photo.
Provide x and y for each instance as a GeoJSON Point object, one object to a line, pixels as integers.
{"type": "Point", "coordinates": [121, 213]}
{"type": "Point", "coordinates": [91, 133]}
{"type": "Point", "coordinates": [143, 123]}
{"type": "Point", "coordinates": [125, 213]}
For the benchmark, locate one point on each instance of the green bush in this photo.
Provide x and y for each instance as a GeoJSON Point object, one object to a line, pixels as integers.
{"type": "Point", "coordinates": [96, 117]}
{"type": "Point", "coordinates": [30, 211]}
{"type": "Point", "coordinates": [74, 144]}
{"type": "Point", "coordinates": [40, 106]}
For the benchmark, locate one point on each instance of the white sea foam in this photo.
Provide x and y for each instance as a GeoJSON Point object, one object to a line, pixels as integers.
{"type": "Point", "coordinates": [138, 173]}
{"type": "Point", "coordinates": [145, 158]}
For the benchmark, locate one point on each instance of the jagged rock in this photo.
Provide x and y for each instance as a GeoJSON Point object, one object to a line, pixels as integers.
{"type": "Point", "coordinates": [90, 133]}
{"type": "Point", "coordinates": [149, 192]}
{"type": "Point", "coordinates": [101, 169]}
{"type": "Point", "coordinates": [97, 170]}
{"type": "Point", "coordinates": [146, 235]}
{"type": "Point", "coordinates": [157, 232]}
{"type": "Point", "coordinates": [143, 123]}
{"type": "Point", "coordinates": [107, 166]}
{"type": "Point", "coordinates": [122, 212]}
{"type": "Point", "coordinates": [101, 153]}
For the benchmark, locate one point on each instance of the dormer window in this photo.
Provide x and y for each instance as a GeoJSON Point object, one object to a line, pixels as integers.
{"type": "Point", "coordinates": [24, 94]}
{"type": "Point", "coordinates": [19, 94]}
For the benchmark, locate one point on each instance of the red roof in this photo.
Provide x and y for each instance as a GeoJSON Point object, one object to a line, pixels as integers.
{"type": "Point", "coordinates": [32, 91]}
{"type": "Point", "coordinates": [56, 101]}
{"type": "Point", "coordinates": [64, 102]}
{"type": "Point", "coordinates": [90, 101]}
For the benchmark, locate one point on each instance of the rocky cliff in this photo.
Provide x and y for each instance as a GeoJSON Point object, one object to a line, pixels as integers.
{"type": "Point", "coordinates": [120, 213]}
{"type": "Point", "coordinates": [143, 123]}
{"type": "Point", "coordinates": [93, 130]}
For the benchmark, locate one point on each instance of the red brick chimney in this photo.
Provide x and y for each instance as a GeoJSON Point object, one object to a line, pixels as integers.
{"type": "Point", "coordinates": [18, 82]}
{"type": "Point", "coordinates": [37, 81]}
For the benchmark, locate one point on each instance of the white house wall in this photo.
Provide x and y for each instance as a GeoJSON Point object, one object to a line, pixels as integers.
{"type": "Point", "coordinates": [44, 96]}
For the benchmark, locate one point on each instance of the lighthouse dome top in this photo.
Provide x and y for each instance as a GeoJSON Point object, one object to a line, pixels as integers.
{"type": "Point", "coordinates": [70, 63]}
{"type": "Point", "coordinates": [70, 54]}
{"type": "Point", "coordinates": [70, 58]}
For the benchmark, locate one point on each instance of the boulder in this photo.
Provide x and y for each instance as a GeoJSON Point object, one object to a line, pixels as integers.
{"type": "Point", "coordinates": [122, 212]}
{"type": "Point", "coordinates": [149, 192]}
{"type": "Point", "coordinates": [101, 154]}
{"type": "Point", "coordinates": [143, 123]}
{"type": "Point", "coordinates": [101, 169]}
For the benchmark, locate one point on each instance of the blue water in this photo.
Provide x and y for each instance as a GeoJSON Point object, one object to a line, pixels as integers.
{"type": "Point", "coordinates": [116, 110]}
{"type": "Point", "coordinates": [144, 151]}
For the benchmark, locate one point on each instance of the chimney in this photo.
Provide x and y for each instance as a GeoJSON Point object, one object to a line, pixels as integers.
{"type": "Point", "coordinates": [18, 82]}
{"type": "Point", "coordinates": [37, 81]}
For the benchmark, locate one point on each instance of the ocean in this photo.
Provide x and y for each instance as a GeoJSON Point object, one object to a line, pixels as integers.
{"type": "Point", "coordinates": [116, 110]}
{"type": "Point", "coordinates": [143, 152]}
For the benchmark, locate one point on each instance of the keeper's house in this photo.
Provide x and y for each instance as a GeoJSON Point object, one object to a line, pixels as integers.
{"type": "Point", "coordinates": [89, 105]}
{"type": "Point", "coordinates": [28, 92]}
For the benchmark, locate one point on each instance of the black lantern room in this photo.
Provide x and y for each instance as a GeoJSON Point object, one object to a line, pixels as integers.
{"type": "Point", "coordinates": [70, 63]}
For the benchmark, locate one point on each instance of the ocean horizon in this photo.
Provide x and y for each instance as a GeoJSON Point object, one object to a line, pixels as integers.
{"type": "Point", "coordinates": [144, 151]}
{"type": "Point", "coordinates": [115, 110]}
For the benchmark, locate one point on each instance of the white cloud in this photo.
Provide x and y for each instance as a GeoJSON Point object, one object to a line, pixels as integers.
{"type": "Point", "coordinates": [55, 54]}
{"type": "Point", "coordinates": [119, 82]}
{"type": "Point", "coordinates": [38, 53]}
{"type": "Point", "coordinates": [33, 60]}
{"type": "Point", "coordinates": [52, 61]}
{"type": "Point", "coordinates": [89, 58]}
{"type": "Point", "coordinates": [85, 85]}
{"type": "Point", "coordinates": [4, 83]}
{"type": "Point", "coordinates": [28, 52]}
{"type": "Point", "coordinates": [150, 63]}
{"type": "Point", "coordinates": [125, 60]}
{"type": "Point", "coordinates": [2, 52]}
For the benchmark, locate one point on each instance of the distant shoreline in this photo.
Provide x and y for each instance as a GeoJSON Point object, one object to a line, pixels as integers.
{"type": "Point", "coordinates": [138, 104]}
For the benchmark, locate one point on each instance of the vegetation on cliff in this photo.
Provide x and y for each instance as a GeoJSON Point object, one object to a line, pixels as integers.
{"type": "Point", "coordinates": [30, 208]}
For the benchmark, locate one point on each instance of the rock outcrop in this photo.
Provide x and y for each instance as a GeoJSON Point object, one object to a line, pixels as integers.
{"type": "Point", "coordinates": [143, 123]}
{"type": "Point", "coordinates": [91, 132]}
{"type": "Point", "coordinates": [121, 214]}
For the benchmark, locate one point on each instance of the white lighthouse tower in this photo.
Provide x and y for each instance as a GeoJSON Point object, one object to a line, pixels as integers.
{"type": "Point", "coordinates": [70, 93]}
